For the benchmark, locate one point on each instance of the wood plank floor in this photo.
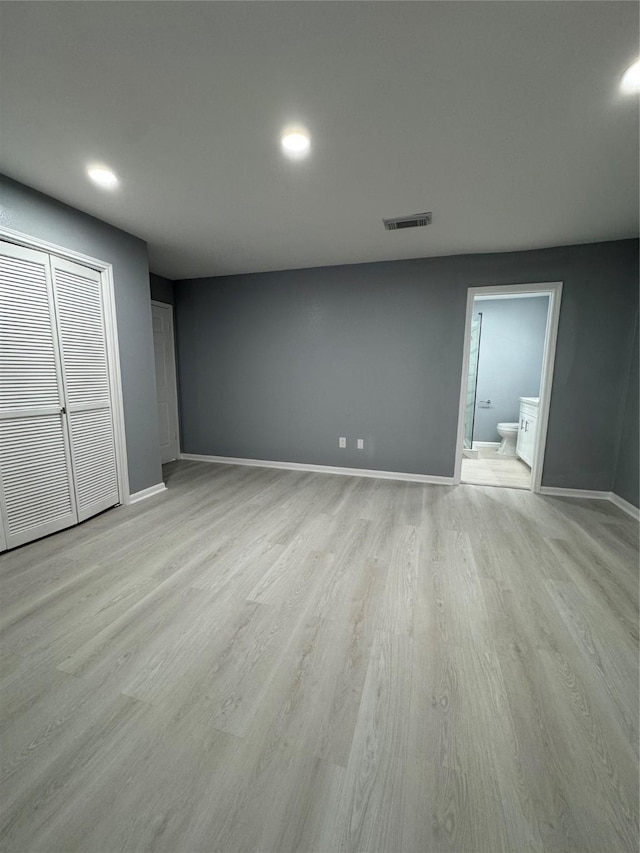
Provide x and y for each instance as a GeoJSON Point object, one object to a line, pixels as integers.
{"type": "Point", "coordinates": [263, 660]}
{"type": "Point", "coordinates": [492, 469]}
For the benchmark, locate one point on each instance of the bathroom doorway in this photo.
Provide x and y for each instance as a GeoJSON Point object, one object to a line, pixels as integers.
{"type": "Point", "coordinates": [509, 351]}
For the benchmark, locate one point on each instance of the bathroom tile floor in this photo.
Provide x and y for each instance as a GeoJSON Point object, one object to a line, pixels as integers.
{"type": "Point", "coordinates": [492, 469]}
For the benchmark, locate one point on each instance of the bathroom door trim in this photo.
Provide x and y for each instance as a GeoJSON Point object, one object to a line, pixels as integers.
{"type": "Point", "coordinates": [554, 289]}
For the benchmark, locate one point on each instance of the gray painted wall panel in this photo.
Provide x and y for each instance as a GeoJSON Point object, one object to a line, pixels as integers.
{"type": "Point", "coordinates": [23, 209]}
{"type": "Point", "coordinates": [278, 365]}
{"type": "Point", "coordinates": [510, 363]}
{"type": "Point", "coordinates": [627, 469]}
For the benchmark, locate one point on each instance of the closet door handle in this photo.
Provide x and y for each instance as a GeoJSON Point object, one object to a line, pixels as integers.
{"type": "Point", "coordinates": [63, 410]}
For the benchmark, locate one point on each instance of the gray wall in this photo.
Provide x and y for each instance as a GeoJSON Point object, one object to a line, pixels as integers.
{"type": "Point", "coordinates": [278, 365]}
{"type": "Point", "coordinates": [161, 288]}
{"type": "Point", "coordinates": [628, 467]}
{"type": "Point", "coordinates": [23, 209]}
{"type": "Point", "coordinates": [510, 363]}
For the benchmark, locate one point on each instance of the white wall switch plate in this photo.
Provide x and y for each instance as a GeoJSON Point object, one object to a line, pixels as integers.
{"type": "Point", "coordinates": [360, 444]}
{"type": "Point", "coordinates": [342, 442]}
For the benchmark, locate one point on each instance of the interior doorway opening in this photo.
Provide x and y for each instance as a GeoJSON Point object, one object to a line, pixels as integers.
{"type": "Point", "coordinates": [509, 351]}
{"type": "Point", "coordinates": [166, 381]}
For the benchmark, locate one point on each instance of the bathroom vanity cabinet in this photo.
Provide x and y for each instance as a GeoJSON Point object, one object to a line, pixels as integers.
{"type": "Point", "coordinates": [525, 448]}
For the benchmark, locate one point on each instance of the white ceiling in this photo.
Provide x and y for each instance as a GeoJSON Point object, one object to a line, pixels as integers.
{"type": "Point", "coordinates": [504, 119]}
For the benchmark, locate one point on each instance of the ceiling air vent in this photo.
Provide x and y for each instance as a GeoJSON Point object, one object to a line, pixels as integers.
{"type": "Point", "coordinates": [414, 221]}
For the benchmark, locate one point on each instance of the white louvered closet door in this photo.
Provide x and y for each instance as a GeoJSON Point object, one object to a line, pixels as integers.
{"type": "Point", "coordinates": [80, 309]}
{"type": "Point", "coordinates": [36, 493]}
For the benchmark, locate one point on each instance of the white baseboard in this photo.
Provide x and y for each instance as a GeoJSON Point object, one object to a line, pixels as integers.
{"type": "Point", "coordinates": [146, 493]}
{"type": "Point", "coordinates": [322, 469]}
{"type": "Point", "coordinates": [625, 506]}
{"type": "Point", "coordinates": [475, 444]}
{"type": "Point", "coordinates": [556, 491]}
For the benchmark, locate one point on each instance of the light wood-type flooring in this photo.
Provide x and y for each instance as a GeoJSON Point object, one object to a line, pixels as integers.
{"type": "Point", "coordinates": [492, 469]}
{"type": "Point", "coordinates": [262, 660]}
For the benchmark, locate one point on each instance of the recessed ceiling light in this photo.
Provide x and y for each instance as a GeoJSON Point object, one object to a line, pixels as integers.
{"type": "Point", "coordinates": [295, 142]}
{"type": "Point", "coordinates": [630, 82]}
{"type": "Point", "coordinates": [103, 177]}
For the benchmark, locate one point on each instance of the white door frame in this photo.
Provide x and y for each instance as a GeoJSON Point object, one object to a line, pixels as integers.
{"type": "Point", "coordinates": [554, 289]}
{"type": "Point", "coordinates": [115, 379]}
{"type": "Point", "coordinates": [174, 371]}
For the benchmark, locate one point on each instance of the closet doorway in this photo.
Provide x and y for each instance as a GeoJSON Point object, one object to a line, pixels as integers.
{"type": "Point", "coordinates": [62, 457]}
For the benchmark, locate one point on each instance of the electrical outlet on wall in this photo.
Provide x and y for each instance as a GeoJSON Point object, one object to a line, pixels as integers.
{"type": "Point", "coordinates": [342, 442]}
{"type": "Point", "coordinates": [360, 444]}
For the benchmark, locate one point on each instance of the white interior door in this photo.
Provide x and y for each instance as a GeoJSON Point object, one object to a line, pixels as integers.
{"type": "Point", "coordinates": [36, 493]}
{"type": "Point", "coordinates": [166, 385]}
{"type": "Point", "coordinates": [80, 310]}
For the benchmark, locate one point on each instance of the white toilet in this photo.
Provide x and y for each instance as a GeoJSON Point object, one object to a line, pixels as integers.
{"type": "Point", "coordinates": [508, 432]}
